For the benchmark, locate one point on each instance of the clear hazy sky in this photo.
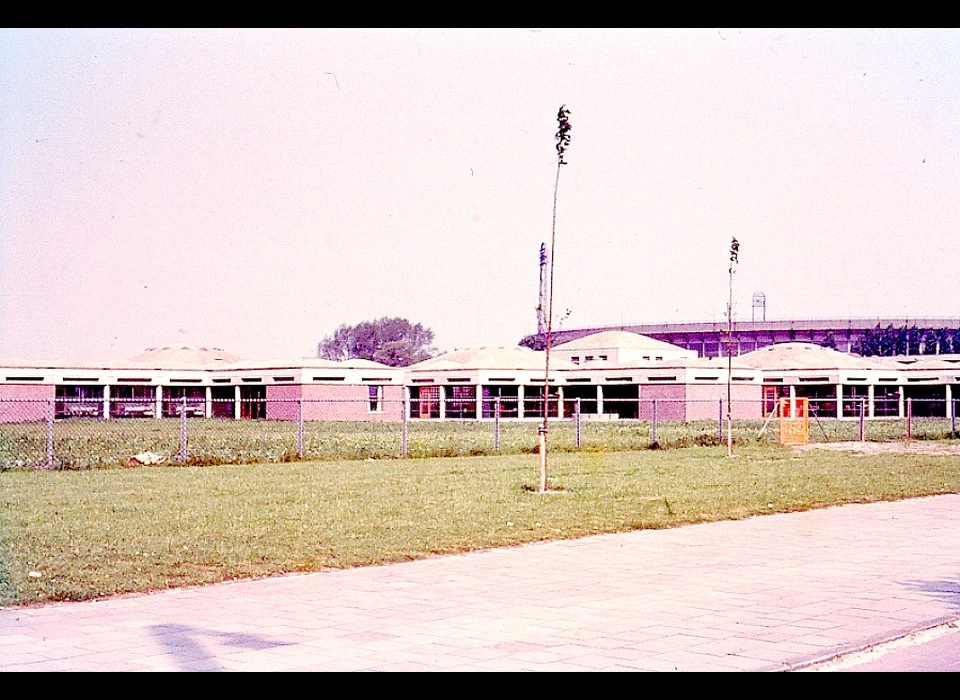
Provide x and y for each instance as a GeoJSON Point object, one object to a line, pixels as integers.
{"type": "Point", "coordinates": [254, 189]}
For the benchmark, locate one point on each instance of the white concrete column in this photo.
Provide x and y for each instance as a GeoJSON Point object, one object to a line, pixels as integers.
{"type": "Point", "coordinates": [559, 402]}
{"type": "Point", "coordinates": [949, 395]}
{"type": "Point", "coordinates": [902, 403]}
{"type": "Point", "coordinates": [599, 399]}
{"type": "Point", "coordinates": [443, 403]}
{"type": "Point", "coordinates": [520, 401]}
{"type": "Point", "coordinates": [158, 403]}
{"type": "Point", "coordinates": [208, 403]}
{"type": "Point", "coordinates": [106, 401]}
{"type": "Point", "coordinates": [479, 401]}
{"type": "Point", "coordinates": [870, 397]}
{"type": "Point", "coordinates": [237, 412]}
{"type": "Point", "coordinates": [793, 392]}
{"type": "Point", "coordinates": [839, 401]}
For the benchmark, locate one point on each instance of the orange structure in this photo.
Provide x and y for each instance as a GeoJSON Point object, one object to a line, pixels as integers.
{"type": "Point", "coordinates": [794, 421]}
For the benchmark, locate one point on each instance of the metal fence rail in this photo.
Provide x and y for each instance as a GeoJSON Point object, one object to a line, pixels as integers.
{"type": "Point", "coordinates": [69, 434]}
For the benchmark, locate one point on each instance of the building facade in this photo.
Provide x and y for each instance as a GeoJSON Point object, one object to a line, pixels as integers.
{"type": "Point", "coordinates": [611, 375]}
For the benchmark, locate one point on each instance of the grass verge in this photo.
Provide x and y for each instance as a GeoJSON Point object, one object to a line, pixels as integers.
{"type": "Point", "coordinates": [74, 535]}
{"type": "Point", "coordinates": [93, 444]}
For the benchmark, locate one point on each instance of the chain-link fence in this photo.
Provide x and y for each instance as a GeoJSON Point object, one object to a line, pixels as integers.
{"type": "Point", "coordinates": [73, 434]}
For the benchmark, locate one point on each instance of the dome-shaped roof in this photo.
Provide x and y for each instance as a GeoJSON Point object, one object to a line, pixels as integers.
{"type": "Point", "coordinates": [617, 339]}
{"type": "Point", "coordinates": [183, 356]}
{"type": "Point", "coordinates": [804, 356]}
{"type": "Point", "coordinates": [491, 357]}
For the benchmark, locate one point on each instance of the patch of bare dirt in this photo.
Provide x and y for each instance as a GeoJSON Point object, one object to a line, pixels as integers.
{"type": "Point", "coordinates": [924, 447]}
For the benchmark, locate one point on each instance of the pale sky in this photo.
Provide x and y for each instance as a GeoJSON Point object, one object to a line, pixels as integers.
{"type": "Point", "coordinates": [254, 189]}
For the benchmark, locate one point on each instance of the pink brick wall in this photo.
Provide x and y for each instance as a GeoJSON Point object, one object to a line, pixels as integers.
{"type": "Point", "coordinates": [331, 402]}
{"type": "Point", "coordinates": [14, 408]}
{"type": "Point", "coordinates": [699, 401]}
{"type": "Point", "coordinates": [283, 401]}
{"type": "Point", "coordinates": [703, 401]}
{"type": "Point", "coordinates": [670, 401]}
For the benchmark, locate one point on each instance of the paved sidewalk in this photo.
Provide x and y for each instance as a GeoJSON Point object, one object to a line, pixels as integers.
{"type": "Point", "coordinates": [771, 593]}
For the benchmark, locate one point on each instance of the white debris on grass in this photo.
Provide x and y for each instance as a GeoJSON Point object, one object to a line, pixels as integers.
{"type": "Point", "coordinates": [147, 458]}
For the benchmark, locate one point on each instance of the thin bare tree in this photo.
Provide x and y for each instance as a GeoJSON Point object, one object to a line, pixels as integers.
{"type": "Point", "coordinates": [734, 259]}
{"type": "Point", "coordinates": [563, 141]}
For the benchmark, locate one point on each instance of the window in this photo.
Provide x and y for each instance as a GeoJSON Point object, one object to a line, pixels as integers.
{"type": "Point", "coordinates": [426, 401]}
{"type": "Point", "coordinates": [771, 396]}
{"type": "Point", "coordinates": [375, 394]}
{"type": "Point", "coordinates": [588, 358]}
{"type": "Point", "coordinates": [133, 401]}
{"type": "Point", "coordinates": [506, 397]}
{"type": "Point", "coordinates": [461, 402]}
{"type": "Point", "coordinates": [79, 401]}
{"type": "Point", "coordinates": [575, 359]}
{"type": "Point", "coordinates": [179, 398]}
{"type": "Point", "coordinates": [253, 402]}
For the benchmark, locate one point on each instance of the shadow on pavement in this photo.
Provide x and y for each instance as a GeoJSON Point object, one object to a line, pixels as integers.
{"type": "Point", "coordinates": [946, 590]}
{"type": "Point", "coordinates": [193, 647]}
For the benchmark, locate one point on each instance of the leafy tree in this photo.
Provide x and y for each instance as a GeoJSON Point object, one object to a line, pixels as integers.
{"type": "Point", "coordinates": [534, 342]}
{"type": "Point", "coordinates": [930, 341]}
{"type": "Point", "coordinates": [908, 340]}
{"type": "Point", "coordinates": [878, 342]}
{"type": "Point", "coordinates": [392, 341]}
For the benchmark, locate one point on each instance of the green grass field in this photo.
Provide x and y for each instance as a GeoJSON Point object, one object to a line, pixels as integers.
{"type": "Point", "coordinates": [73, 535]}
{"type": "Point", "coordinates": [92, 444]}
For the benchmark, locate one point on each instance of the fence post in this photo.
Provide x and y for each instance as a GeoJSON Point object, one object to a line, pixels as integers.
{"type": "Point", "coordinates": [50, 414]}
{"type": "Point", "coordinates": [578, 422]}
{"type": "Point", "coordinates": [720, 422]}
{"type": "Point", "coordinates": [300, 428]}
{"type": "Point", "coordinates": [183, 430]}
{"type": "Point", "coordinates": [863, 410]}
{"type": "Point", "coordinates": [909, 418]}
{"type": "Point", "coordinates": [404, 414]}
{"type": "Point", "coordinates": [496, 424]}
{"type": "Point", "coordinates": [653, 424]}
